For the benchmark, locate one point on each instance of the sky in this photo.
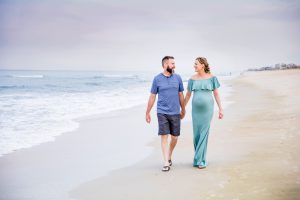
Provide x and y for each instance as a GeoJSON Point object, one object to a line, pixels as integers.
{"type": "Point", "coordinates": [136, 34]}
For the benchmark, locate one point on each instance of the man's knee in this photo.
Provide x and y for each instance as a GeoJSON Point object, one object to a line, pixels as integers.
{"type": "Point", "coordinates": [174, 138]}
{"type": "Point", "coordinates": [164, 137]}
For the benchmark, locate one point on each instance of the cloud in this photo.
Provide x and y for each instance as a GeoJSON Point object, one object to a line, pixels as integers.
{"type": "Point", "coordinates": [136, 34]}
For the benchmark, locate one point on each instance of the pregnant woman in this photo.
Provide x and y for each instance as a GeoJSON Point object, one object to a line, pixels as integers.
{"type": "Point", "coordinates": [202, 85]}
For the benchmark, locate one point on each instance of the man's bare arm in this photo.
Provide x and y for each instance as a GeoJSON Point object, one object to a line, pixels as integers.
{"type": "Point", "coordinates": [151, 102]}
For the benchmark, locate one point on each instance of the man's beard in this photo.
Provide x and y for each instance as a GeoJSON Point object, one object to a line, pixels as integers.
{"type": "Point", "coordinates": [170, 70]}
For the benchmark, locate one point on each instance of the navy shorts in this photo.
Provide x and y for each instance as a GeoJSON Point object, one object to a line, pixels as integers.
{"type": "Point", "coordinates": [168, 124]}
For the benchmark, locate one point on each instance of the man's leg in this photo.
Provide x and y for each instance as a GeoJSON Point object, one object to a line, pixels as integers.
{"type": "Point", "coordinates": [172, 145]}
{"type": "Point", "coordinates": [165, 149]}
{"type": "Point", "coordinates": [175, 132]}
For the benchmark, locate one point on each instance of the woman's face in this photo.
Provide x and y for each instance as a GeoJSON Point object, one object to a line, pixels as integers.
{"type": "Point", "coordinates": [198, 66]}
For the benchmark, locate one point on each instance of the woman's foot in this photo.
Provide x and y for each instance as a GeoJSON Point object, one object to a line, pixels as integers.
{"type": "Point", "coordinates": [199, 166]}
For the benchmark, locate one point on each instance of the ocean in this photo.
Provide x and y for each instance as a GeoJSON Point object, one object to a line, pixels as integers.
{"type": "Point", "coordinates": [37, 106]}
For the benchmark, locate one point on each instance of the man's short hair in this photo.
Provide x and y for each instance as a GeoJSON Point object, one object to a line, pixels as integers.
{"type": "Point", "coordinates": [165, 59]}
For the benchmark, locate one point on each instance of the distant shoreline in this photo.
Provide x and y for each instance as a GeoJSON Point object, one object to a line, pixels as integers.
{"type": "Point", "coordinates": [281, 66]}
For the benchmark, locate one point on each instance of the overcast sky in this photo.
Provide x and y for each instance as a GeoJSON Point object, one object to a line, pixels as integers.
{"type": "Point", "coordinates": [136, 34]}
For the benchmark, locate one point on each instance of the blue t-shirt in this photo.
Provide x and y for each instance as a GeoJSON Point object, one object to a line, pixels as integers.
{"type": "Point", "coordinates": [168, 89]}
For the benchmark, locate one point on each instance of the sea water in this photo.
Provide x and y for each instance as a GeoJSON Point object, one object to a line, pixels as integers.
{"type": "Point", "coordinates": [36, 106]}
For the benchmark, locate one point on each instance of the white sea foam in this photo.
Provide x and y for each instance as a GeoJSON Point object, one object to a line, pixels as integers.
{"type": "Point", "coordinates": [36, 118]}
{"type": "Point", "coordinates": [29, 76]}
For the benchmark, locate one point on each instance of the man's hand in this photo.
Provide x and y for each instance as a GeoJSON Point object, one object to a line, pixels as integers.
{"type": "Point", "coordinates": [148, 117]}
{"type": "Point", "coordinates": [182, 114]}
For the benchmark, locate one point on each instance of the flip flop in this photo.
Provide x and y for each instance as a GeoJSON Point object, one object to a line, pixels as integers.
{"type": "Point", "coordinates": [166, 168]}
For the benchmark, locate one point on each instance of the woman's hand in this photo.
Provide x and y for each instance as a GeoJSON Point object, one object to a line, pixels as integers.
{"type": "Point", "coordinates": [221, 114]}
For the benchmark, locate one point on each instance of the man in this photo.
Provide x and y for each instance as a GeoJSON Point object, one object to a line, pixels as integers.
{"type": "Point", "coordinates": [169, 88]}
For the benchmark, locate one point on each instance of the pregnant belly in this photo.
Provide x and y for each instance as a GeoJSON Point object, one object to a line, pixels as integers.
{"type": "Point", "coordinates": [202, 101]}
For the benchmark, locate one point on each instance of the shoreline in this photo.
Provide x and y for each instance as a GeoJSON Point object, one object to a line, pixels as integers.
{"type": "Point", "coordinates": [78, 121]}
{"type": "Point", "coordinates": [78, 156]}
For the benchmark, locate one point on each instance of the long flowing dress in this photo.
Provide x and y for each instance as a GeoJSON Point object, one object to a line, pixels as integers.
{"type": "Point", "coordinates": [202, 113]}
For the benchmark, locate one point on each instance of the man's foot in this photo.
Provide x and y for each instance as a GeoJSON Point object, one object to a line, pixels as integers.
{"type": "Point", "coordinates": [170, 162]}
{"type": "Point", "coordinates": [166, 168]}
{"type": "Point", "coordinates": [201, 167]}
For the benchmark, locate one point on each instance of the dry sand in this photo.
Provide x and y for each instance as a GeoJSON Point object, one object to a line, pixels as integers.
{"type": "Point", "coordinates": [253, 153]}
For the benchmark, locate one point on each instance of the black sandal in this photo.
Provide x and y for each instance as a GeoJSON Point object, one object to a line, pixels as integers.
{"type": "Point", "coordinates": [170, 162]}
{"type": "Point", "coordinates": [166, 168]}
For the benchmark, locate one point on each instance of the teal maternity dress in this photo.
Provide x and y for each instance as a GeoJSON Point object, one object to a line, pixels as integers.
{"type": "Point", "coordinates": [202, 113]}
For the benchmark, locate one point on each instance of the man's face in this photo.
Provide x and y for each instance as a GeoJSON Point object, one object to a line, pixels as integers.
{"type": "Point", "coordinates": [170, 65]}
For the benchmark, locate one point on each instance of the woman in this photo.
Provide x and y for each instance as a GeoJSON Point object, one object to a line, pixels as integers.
{"type": "Point", "coordinates": [202, 84]}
